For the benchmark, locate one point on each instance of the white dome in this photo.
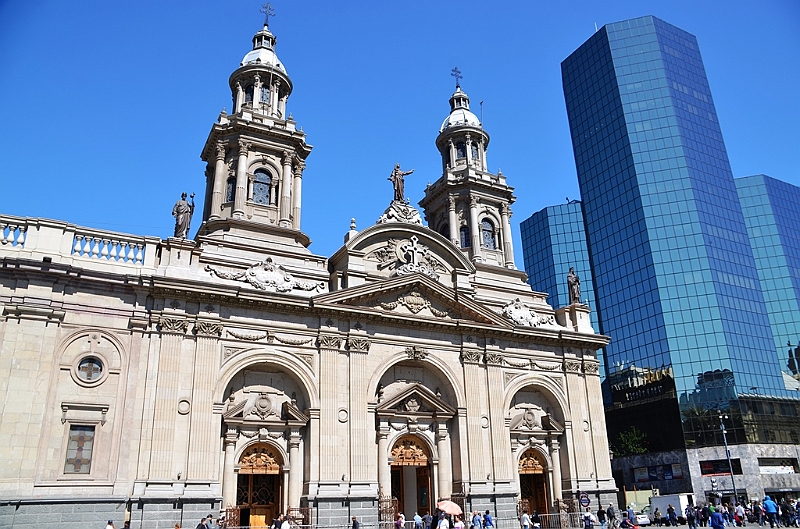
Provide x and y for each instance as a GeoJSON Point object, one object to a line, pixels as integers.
{"type": "Point", "coordinates": [266, 56]}
{"type": "Point", "coordinates": [458, 117]}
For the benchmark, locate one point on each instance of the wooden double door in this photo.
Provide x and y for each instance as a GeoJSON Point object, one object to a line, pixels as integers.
{"type": "Point", "coordinates": [420, 488]}
{"type": "Point", "coordinates": [258, 498]}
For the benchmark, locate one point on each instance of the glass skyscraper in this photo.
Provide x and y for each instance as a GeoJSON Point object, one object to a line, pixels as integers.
{"type": "Point", "coordinates": [675, 277]}
{"type": "Point", "coordinates": [772, 214]}
{"type": "Point", "coordinates": [553, 240]}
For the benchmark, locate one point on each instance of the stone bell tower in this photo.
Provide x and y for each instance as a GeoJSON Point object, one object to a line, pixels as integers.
{"type": "Point", "coordinates": [256, 154]}
{"type": "Point", "coordinates": [469, 205]}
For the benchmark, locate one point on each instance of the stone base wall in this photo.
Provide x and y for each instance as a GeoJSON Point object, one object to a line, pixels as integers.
{"type": "Point", "coordinates": [164, 514]}
{"type": "Point", "coordinates": [44, 515]}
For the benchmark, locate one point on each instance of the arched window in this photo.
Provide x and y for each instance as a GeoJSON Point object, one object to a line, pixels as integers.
{"type": "Point", "coordinates": [461, 150]}
{"type": "Point", "coordinates": [248, 94]}
{"type": "Point", "coordinates": [464, 234]}
{"type": "Point", "coordinates": [265, 94]}
{"type": "Point", "coordinates": [261, 187]}
{"type": "Point", "coordinates": [474, 152]}
{"type": "Point", "coordinates": [487, 234]}
{"type": "Point", "coordinates": [230, 189]}
{"type": "Point", "coordinates": [444, 229]}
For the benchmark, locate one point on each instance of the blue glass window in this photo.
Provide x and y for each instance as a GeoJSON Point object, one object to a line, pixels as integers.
{"type": "Point", "coordinates": [487, 234]}
{"type": "Point", "coordinates": [261, 187]}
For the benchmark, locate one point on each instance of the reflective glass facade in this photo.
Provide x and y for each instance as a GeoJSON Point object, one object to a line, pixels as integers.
{"type": "Point", "coordinates": [553, 240]}
{"type": "Point", "coordinates": [673, 269]}
{"type": "Point", "coordinates": [772, 213]}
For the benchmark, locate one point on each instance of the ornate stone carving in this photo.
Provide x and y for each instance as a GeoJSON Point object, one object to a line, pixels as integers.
{"type": "Point", "coordinates": [591, 368]}
{"type": "Point", "coordinates": [509, 376]}
{"type": "Point", "coordinates": [572, 366]}
{"type": "Point", "coordinates": [407, 452]}
{"type": "Point", "coordinates": [526, 417]}
{"type": "Point", "coordinates": [416, 353]}
{"type": "Point", "coordinates": [268, 276]}
{"type": "Point", "coordinates": [545, 367]}
{"type": "Point", "coordinates": [259, 405]}
{"type": "Point", "coordinates": [415, 302]}
{"type": "Point", "coordinates": [230, 351]}
{"type": "Point", "coordinates": [243, 147]}
{"type": "Point", "coordinates": [400, 212]}
{"type": "Point", "coordinates": [207, 328]}
{"type": "Point", "coordinates": [248, 337]}
{"type": "Point", "coordinates": [451, 205]}
{"type": "Point", "coordinates": [327, 341]}
{"type": "Point", "coordinates": [522, 314]}
{"type": "Point", "coordinates": [471, 356]}
{"type": "Point", "coordinates": [411, 404]}
{"type": "Point", "coordinates": [291, 341]}
{"type": "Point", "coordinates": [518, 365]}
{"type": "Point", "coordinates": [308, 359]}
{"type": "Point", "coordinates": [359, 344]}
{"type": "Point", "coordinates": [495, 359]}
{"type": "Point", "coordinates": [531, 463]}
{"type": "Point", "coordinates": [405, 257]}
{"type": "Point", "coordinates": [170, 325]}
{"type": "Point", "coordinates": [260, 459]}
{"type": "Point", "coordinates": [220, 151]}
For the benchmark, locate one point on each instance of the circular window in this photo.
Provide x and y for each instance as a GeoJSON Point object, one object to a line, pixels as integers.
{"type": "Point", "coordinates": [90, 369]}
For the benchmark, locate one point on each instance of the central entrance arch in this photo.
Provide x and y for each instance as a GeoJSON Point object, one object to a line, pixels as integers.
{"type": "Point", "coordinates": [532, 481]}
{"type": "Point", "coordinates": [258, 485]}
{"type": "Point", "coordinates": [411, 475]}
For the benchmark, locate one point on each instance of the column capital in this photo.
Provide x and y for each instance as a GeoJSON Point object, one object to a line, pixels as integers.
{"type": "Point", "coordinates": [231, 436]}
{"type": "Point", "coordinates": [359, 345]}
{"type": "Point", "coordinates": [244, 147]}
{"type": "Point", "coordinates": [470, 356]}
{"type": "Point", "coordinates": [328, 341]}
{"type": "Point", "coordinates": [287, 158]}
{"type": "Point", "coordinates": [172, 325]}
{"type": "Point", "coordinates": [494, 359]}
{"type": "Point", "coordinates": [451, 204]}
{"type": "Point", "coordinates": [221, 150]}
{"type": "Point", "coordinates": [299, 166]}
{"type": "Point", "coordinates": [505, 209]}
{"type": "Point", "coordinates": [209, 329]}
{"type": "Point", "coordinates": [473, 201]}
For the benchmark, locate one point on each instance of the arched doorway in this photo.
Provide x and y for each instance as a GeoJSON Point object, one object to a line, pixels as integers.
{"type": "Point", "coordinates": [258, 485]}
{"type": "Point", "coordinates": [411, 475]}
{"type": "Point", "coordinates": [533, 481]}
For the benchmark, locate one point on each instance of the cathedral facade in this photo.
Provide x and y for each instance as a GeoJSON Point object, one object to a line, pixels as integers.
{"type": "Point", "coordinates": [158, 381]}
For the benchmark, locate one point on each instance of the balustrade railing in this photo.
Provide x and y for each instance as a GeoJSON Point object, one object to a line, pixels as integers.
{"type": "Point", "coordinates": [13, 234]}
{"type": "Point", "coordinates": [109, 248]}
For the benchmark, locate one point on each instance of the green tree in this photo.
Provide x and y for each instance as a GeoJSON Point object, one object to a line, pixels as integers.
{"type": "Point", "coordinates": [631, 441]}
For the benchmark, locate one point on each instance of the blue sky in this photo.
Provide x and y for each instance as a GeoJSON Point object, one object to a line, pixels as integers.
{"type": "Point", "coordinates": [108, 104]}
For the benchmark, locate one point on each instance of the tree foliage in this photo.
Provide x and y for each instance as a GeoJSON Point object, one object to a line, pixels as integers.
{"type": "Point", "coordinates": [630, 442]}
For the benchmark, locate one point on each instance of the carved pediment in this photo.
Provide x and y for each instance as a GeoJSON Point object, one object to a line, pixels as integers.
{"type": "Point", "coordinates": [264, 407]}
{"type": "Point", "coordinates": [532, 418]}
{"type": "Point", "coordinates": [416, 296]}
{"type": "Point", "coordinates": [415, 400]}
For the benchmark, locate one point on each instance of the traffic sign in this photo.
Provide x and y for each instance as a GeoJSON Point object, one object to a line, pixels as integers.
{"type": "Point", "coordinates": [585, 501]}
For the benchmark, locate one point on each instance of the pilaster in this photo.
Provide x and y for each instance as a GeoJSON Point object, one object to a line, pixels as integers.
{"type": "Point", "coordinates": [203, 431]}
{"type": "Point", "coordinates": [329, 456]}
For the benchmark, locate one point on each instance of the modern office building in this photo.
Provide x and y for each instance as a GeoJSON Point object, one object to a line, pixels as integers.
{"type": "Point", "coordinates": [772, 213]}
{"type": "Point", "coordinates": [675, 277]}
{"type": "Point", "coordinates": [553, 241]}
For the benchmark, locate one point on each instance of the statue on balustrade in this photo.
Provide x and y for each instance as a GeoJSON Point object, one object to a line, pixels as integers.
{"type": "Point", "coordinates": [574, 286]}
{"type": "Point", "coordinates": [183, 211]}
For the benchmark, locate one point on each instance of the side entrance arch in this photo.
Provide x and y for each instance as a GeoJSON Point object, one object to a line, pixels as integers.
{"type": "Point", "coordinates": [258, 485]}
{"type": "Point", "coordinates": [533, 491]}
{"type": "Point", "coordinates": [411, 475]}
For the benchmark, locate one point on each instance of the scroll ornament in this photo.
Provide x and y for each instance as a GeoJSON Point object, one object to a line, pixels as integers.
{"type": "Point", "coordinates": [523, 315]}
{"type": "Point", "coordinates": [268, 276]}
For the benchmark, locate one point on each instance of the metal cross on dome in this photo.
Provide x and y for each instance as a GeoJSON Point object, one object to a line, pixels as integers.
{"type": "Point", "coordinates": [268, 11]}
{"type": "Point", "coordinates": [455, 72]}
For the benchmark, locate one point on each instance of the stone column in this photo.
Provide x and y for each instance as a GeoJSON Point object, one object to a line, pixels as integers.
{"type": "Point", "coordinates": [202, 430]}
{"type": "Point", "coordinates": [555, 456]}
{"type": "Point", "coordinates": [501, 442]}
{"type": "Point", "coordinates": [172, 330]}
{"type": "Point", "coordinates": [257, 92]}
{"type": "Point", "coordinates": [273, 186]}
{"type": "Point", "coordinates": [508, 247]}
{"type": "Point", "coordinates": [296, 192]}
{"type": "Point", "coordinates": [384, 470]}
{"type": "Point", "coordinates": [332, 464]}
{"type": "Point", "coordinates": [220, 179]}
{"type": "Point", "coordinates": [469, 149]}
{"type": "Point", "coordinates": [296, 469]}
{"type": "Point", "coordinates": [273, 99]}
{"type": "Point", "coordinates": [455, 229]}
{"type": "Point", "coordinates": [445, 484]}
{"type": "Point", "coordinates": [282, 106]}
{"type": "Point", "coordinates": [475, 229]}
{"type": "Point", "coordinates": [482, 154]}
{"type": "Point", "coordinates": [451, 146]}
{"type": "Point", "coordinates": [286, 191]}
{"type": "Point", "coordinates": [239, 97]}
{"type": "Point", "coordinates": [285, 487]}
{"type": "Point", "coordinates": [359, 427]}
{"type": "Point", "coordinates": [229, 474]}
{"type": "Point", "coordinates": [241, 181]}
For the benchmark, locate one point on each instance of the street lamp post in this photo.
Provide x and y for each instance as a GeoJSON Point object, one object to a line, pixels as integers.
{"type": "Point", "coordinates": [727, 453]}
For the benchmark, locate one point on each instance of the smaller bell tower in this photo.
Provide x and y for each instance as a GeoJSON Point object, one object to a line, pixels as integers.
{"type": "Point", "coordinates": [256, 154]}
{"type": "Point", "coordinates": [469, 205]}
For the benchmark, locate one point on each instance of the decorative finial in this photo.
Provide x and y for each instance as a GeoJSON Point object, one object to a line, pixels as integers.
{"type": "Point", "coordinates": [455, 72]}
{"type": "Point", "coordinates": [352, 224]}
{"type": "Point", "coordinates": [268, 11]}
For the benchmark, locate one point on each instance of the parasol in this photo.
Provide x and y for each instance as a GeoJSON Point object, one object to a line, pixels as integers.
{"type": "Point", "coordinates": [449, 507]}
